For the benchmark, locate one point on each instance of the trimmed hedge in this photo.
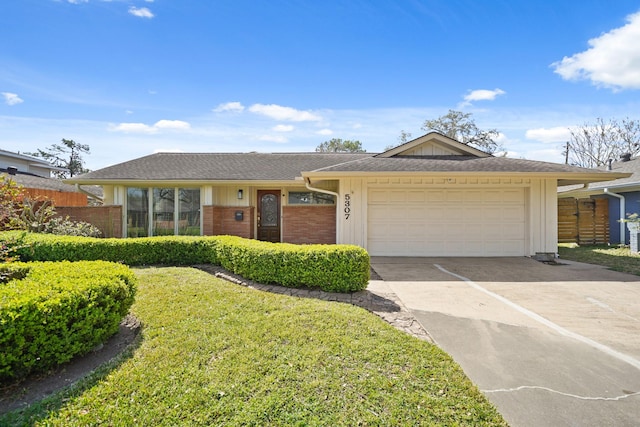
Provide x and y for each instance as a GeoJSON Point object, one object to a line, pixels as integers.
{"type": "Point", "coordinates": [58, 310]}
{"type": "Point", "coordinates": [167, 250]}
{"type": "Point", "coordinates": [332, 268]}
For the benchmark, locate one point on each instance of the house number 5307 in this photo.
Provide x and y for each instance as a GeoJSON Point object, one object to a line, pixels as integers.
{"type": "Point", "coordinates": [347, 206]}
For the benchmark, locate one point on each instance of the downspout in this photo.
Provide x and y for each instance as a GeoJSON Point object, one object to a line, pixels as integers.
{"type": "Point", "coordinates": [623, 233]}
{"type": "Point", "coordinates": [307, 183]}
{"type": "Point", "coordinates": [80, 189]}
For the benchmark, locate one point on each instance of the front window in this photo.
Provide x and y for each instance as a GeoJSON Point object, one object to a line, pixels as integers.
{"type": "Point", "coordinates": [189, 211]}
{"type": "Point", "coordinates": [310, 198]}
{"type": "Point", "coordinates": [164, 211]}
{"type": "Point", "coordinates": [137, 212]}
{"type": "Point", "coordinates": [174, 211]}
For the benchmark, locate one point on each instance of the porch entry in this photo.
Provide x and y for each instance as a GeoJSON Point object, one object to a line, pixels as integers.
{"type": "Point", "coordinates": [269, 215]}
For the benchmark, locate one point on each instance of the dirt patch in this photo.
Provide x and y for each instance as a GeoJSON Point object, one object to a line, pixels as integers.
{"type": "Point", "coordinates": [36, 387]}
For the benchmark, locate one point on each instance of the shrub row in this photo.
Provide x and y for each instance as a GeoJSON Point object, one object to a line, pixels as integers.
{"type": "Point", "coordinates": [167, 250]}
{"type": "Point", "coordinates": [332, 268]}
{"type": "Point", "coordinates": [53, 311]}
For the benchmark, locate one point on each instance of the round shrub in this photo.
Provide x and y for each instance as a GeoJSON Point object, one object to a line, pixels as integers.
{"type": "Point", "coordinates": [59, 310]}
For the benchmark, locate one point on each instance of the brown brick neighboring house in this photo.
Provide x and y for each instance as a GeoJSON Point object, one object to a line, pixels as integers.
{"type": "Point", "coordinates": [432, 196]}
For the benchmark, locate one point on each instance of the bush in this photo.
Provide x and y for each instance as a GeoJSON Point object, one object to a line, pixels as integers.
{"type": "Point", "coordinates": [65, 227]}
{"type": "Point", "coordinates": [58, 310]}
{"type": "Point", "coordinates": [332, 268]}
{"type": "Point", "coordinates": [167, 250]}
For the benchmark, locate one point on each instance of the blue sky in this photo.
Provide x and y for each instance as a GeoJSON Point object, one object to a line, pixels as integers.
{"type": "Point", "coordinates": [132, 77]}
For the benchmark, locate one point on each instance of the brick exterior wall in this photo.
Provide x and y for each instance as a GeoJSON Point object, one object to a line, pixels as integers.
{"type": "Point", "coordinates": [220, 220]}
{"type": "Point", "coordinates": [309, 224]}
{"type": "Point", "coordinates": [107, 218]}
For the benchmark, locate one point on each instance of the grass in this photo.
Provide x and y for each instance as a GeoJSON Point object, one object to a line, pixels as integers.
{"type": "Point", "coordinates": [213, 353]}
{"type": "Point", "coordinates": [618, 258]}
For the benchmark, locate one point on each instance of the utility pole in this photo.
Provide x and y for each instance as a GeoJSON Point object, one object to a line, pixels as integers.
{"type": "Point", "coordinates": [566, 154]}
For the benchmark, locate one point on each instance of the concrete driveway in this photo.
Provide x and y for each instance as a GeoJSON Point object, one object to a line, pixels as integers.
{"type": "Point", "coordinates": [549, 345]}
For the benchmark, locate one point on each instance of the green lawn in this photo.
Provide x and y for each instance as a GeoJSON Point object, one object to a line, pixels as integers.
{"type": "Point", "coordinates": [214, 353]}
{"type": "Point", "coordinates": [614, 257]}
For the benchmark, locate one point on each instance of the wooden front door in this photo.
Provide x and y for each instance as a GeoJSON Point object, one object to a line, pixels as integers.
{"type": "Point", "coordinates": [269, 215]}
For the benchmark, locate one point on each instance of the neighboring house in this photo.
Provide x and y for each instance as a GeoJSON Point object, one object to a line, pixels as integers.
{"type": "Point", "coordinates": [28, 165]}
{"type": "Point", "coordinates": [623, 195]}
{"type": "Point", "coordinates": [432, 196]}
{"type": "Point", "coordinates": [35, 176]}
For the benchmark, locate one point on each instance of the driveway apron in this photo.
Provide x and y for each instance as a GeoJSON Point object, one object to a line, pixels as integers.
{"type": "Point", "coordinates": [549, 345]}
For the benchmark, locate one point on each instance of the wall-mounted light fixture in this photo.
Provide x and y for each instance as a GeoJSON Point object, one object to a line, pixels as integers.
{"type": "Point", "coordinates": [240, 192]}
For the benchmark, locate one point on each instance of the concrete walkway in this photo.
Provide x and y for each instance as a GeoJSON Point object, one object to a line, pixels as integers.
{"type": "Point", "coordinates": [548, 345]}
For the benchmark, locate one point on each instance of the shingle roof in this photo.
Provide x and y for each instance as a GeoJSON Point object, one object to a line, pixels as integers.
{"type": "Point", "coordinates": [33, 181]}
{"type": "Point", "coordinates": [631, 166]}
{"type": "Point", "coordinates": [219, 166]}
{"type": "Point", "coordinates": [289, 166]}
{"type": "Point", "coordinates": [454, 164]}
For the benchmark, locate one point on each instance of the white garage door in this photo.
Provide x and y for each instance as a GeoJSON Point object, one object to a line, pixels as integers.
{"type": "Point", "coordinates": [445, 222]}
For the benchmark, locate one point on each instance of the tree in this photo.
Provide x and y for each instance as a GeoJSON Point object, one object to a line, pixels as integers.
{"type": "Point", "coordinates": [402, 139]}
{"type": "Point", "coordinates": [337, 145]}
{"type": "Point", "coordinates": [67, 155]}
{"type": "Point", "coordinates": [593, 144]}
{"type": "Point", "coordinates": [461, 127]}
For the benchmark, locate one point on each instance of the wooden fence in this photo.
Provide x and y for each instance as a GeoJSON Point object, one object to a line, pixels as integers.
{"type": "Point", "coordinates": [58, 198]}
{"type": "Point", "coordinates": [583, 221]}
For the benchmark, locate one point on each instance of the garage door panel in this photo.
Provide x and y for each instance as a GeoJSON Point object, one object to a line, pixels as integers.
{"type": "Point", "coordinates": [446, 222]}
{"type": "Point", "coordinates": [416, 196]}
{"type": "Point", "coordinates": [378, 196]}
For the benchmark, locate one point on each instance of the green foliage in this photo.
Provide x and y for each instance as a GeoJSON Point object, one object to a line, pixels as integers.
{"type": "Point", "coordinates": [20, 212]}
{"type": "Point", "coordinates": [36, 214]}
{"type": "Point", "coordinates": [168, 250]}
{"type": "Point", "coordinates": [219, 355]}
{"type": "Point", "coordinates": [462, 127]}
{"type": "Point", "coordinates": [65, 227]}
{"type": "Point", "coordinates": [332, 268]}
{"type": "Point", "coordinates": [10, 244]}
{"type": "Point", "coordinates": [53, 311]}
{"type": "Point", "coordinates": [618, 258]}
{"type": "Point", "coordinates": [337, 145]}
{"type": "Point", "coordinates": [11, 195]}
{"type": "Point", "coordinates": [67, 155]}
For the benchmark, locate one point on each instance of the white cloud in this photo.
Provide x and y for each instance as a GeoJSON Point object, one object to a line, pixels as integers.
{"type": "Point", "coordinates": [283, 128]}
{"type": "Point", "coordinates": [141, 12]}
{"type": "Point", "coordinates": [177, 125]}
{"type": "Point", "coordinates": [279, 112]}
{"type": "Point", "coordinates": [172, 124]}
{"type": "Point", "coordinates": [548, 135]}
{"type": "Point", "coordinates": [234, 107]}
{"type": "Point", "coordinates": [133, 128]}
{"type": "Point", "coordinates": [78, 1]}
{"type": "Point", "coordinates": [325, 132]}
{"type": "Point", "coordinates": [11, 98]}
{"type": "Point", "coordinates": [612, 61]}
{"type": "Point", "coordinates": [481, 95]}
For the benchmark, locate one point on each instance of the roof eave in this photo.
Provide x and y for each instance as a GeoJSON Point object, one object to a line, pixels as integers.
{"type": "Point", "coordinates": [567, 178]}
{"type": "Point", "coordinates": [177, 182]}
